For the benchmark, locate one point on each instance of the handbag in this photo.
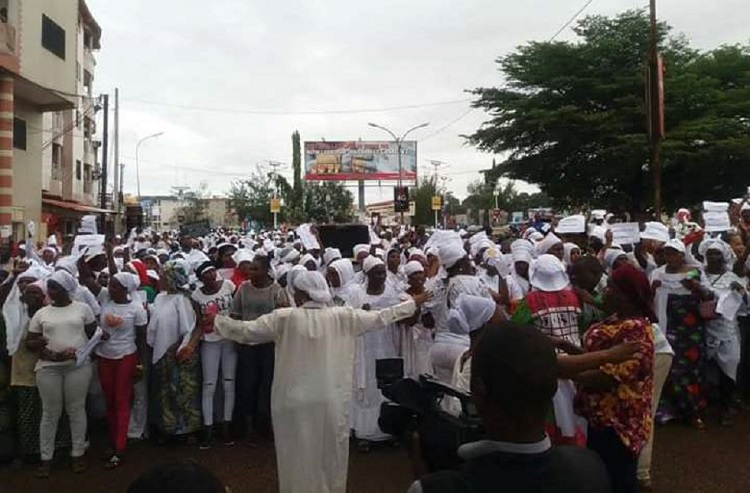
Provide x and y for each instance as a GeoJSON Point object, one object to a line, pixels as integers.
{"type": "Point", "coordinates": [707, 309]}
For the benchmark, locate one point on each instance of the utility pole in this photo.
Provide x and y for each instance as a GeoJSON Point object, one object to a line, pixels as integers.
{"type": "Point", "coordinates": [436, 199]}
{"type": "Point", "coordinates": [275, 200]}
{"type": "Point", "coordinates": [116, 148]}
{"type": "Point", "coordinates": [105, 161]}
{"type": "Point", "coordinates": [656, 111]}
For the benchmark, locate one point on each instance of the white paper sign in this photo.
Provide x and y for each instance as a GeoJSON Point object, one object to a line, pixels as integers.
{"type": "Point", "coordinates": [625, 233]}
{"type": "Point", "coordinates": [571, 225]}
{"type": "Point", "coordinates": [83, 353]}
{"type": "Point", "coordinates": [83, 242]}
{"type": "Point", "coordinates": [716, 221]}
{"type": "Point", "coordinates": [715, 206]}
{"type": "Point", "coordinates": [728, 304]}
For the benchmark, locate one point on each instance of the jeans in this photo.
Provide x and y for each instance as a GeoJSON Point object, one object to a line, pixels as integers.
{"type": "Point", "coordinates": [116, 378]}
{"type": "Point", "coordinates": [254, 380]}
{"type": "Point", "coordinates": [215, 354]}
{"type": "Point", "coordinates": [63, 386]}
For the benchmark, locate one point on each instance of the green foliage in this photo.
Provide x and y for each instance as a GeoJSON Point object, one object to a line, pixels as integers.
{"type": "Point", "coordinates": [251, 198]}
{"type": "Point", "coordinates": [571, 117]}
{"type": "Point", "coordinates": [422, 195]}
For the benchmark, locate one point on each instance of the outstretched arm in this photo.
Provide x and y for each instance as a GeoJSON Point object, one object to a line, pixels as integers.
{"type": "Point", "coordinates": [366, 321]}
{"type": "Point", "coordinates": [258, 331]}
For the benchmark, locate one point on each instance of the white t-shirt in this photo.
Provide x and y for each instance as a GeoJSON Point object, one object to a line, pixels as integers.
{"type": "Point", "coordinates": [120, 321]}
{"type": "Point", "coordinates": [63, 327]}
{"type": "Point", "coordinates": [84, 295]}
{"type": "Point", "coordinates": [219, 303]}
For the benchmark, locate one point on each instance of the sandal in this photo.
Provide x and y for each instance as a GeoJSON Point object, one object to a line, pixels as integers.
{"type": "Point", "coordinates": [114, 462]}
{"type": "Point", "coordinates": [44, 470]}
{"type": "Point", "coordinates": [78, 465]}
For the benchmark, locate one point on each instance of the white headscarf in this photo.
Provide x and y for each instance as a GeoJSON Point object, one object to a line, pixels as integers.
{"type": "Point", "coordinates": [470, 314]}
{"type": "Point", "coordinates": [718, 244]}
{"type": "Point", "coordinates": [611, 255]}
{"type": "Point", "coordinates": [569, 247]}
{"type": "Point", "coordinates": [314, 285]}
{"type": "Point", "coordinates": [451, 253]}
{"type": "Point", "coordinates": [65, 280]}
{"type": "Point", "coordinates": [68, 264]}
{"type": "Point", "coordinates": [330, 255]}
{"type": "Point", "coordinates": [243, 255]}
{"type": "Point", "coordinates": [350, 291]}
{"type": "Point", "coordinates": [370, 263]}
{"type": "Point", "coordinates": [413, 267]}
{"type": "Point", "coordinates": [15, 312]}
{"type": "Point", "coordinates": [546, 243]}
{"type": "Point", "coordinates": [129, 281]}
{"type": "Point", "coordinates": [308, 258]}
{"type": "Point", "coordinates": [522, 251]}
{"type": "Point", "coordinates": [293, 273]}
{"type": "Point", "coordinates": [291, 256]}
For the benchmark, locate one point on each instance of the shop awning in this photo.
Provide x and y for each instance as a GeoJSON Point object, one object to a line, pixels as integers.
{"type": "Point", "coordinates": [76, 207]}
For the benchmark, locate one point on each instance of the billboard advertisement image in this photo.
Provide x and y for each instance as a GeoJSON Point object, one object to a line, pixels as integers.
{"type": "Point", "coordinates": [355, 160]}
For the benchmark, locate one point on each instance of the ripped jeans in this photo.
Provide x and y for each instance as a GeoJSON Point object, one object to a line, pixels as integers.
{"type": "Point", "coordinates": [213, 354]}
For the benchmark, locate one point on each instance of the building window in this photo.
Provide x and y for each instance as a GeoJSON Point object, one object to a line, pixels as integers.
{"type": "Point", "coordinates": [56, 161]}
{"type": "Point", "coordinates": [19, 134]}
{"type": "Point", "coordinates": [78, 169]}
{"type": "Point", "coordinates": [53, 37]}
{"type": "Point", "coordinates": [87, 178]}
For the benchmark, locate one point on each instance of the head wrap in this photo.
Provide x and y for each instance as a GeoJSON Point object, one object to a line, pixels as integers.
{"type": "Point", "coordinates": [34, 271]}
{"type": "Point", "coordinates": [153, 275]}
{"type": "Point", "coordinates": [745, 207]}
{"type": "Point", "coordinates": [470, 314]}
{"type": "Point", "coordinates": [370, 263]}
{"type": "Point", "coordinates": [611, 255]}
{"type": "Point", "coordinates": [292, 256]}
{"type": "Point", "coordinates": [280, 270]}
{"type": "Point", "coordinates": [176, 275]}
{"type": "Point", "coordinates": [546, 243]}
{"type": "Point", "coordinates": [676, 244]}
{"type": "Point", "coordinates": [451, 253]}
{"type": "Point", "coordinates": [633, 283]}
{"type": "Point", "coordinates": [243, 255]}
{"type": "Point", "coordinates": [308, 258]}
{"type": "Point", "coordinates": [413, 267]}
{"type": "Point", "coordinates": [569, 247]}
{"type": "Point", "coordinates": [360, 249]}
{"type": "Point", "coordinates": [548, 274]}
{"type": "Point", "coordinates": [344, 269]}
{"type": "Point", "coordinates": [129, 281]}
{"type": "Point", "coordinates": [330, 255]}
{"type": "Point", "coordinates": [717, 244]}
{"type": "Point", "coordinates": [314, 285]}
{"type": "Point", "coordinates": [522, 251]}
{"type": "Point", "coordinates": [65, 280]}
{"type": "Point", "coordinates": [68, 264]}
{"type": "Point", "coordinates": [416, 252]}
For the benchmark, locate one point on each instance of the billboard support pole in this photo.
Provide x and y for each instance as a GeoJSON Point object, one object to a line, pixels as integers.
{"type": "Point", "coordinates": [361, 190]}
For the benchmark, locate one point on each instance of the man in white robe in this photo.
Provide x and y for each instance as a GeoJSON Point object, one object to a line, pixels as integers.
{"type": "Point", "coordinates": [312, 385]}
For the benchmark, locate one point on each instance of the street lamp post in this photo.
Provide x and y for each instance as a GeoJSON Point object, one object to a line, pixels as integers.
{"type": "Point", "coordinates": [137, 166]}
{"type": "Point", "coordinates": [399, 141]}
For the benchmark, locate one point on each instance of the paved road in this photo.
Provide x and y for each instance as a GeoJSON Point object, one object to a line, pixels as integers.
{"type": "Point", "coordinates": [686, 461]}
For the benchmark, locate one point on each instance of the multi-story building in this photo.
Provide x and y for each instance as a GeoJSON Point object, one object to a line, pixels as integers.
{"type": "Point", "coordinates": [164, 213]}
{"type": "Point", "coordinates": [46, 115]}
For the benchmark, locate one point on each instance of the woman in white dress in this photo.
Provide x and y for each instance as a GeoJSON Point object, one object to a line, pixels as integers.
{"type": "Point", "coordinates": [381, 344]}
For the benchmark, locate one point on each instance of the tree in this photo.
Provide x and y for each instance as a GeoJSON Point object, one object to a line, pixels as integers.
{"type": "Point", "coordinates": [571, 117]}
{"type": "Point", "coordinates": [251, 198]}
{"type": "Point", "coordinates": [296, 202]}
{"type": "Point", "coordinates": [328, 202]}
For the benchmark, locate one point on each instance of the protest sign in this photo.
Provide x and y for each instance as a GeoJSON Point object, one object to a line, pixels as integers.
{"type": "Point", "coordinates": [571, 225]}
{"type": "Point", "coordinates": [625, 233]}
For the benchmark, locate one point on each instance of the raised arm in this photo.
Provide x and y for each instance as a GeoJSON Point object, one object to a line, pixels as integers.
{"type": "Point", "coordinates": [258, 331]}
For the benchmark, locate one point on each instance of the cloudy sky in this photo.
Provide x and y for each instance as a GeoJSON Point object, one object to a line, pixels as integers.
{"type": "Point", "coordinates": [228, 81]}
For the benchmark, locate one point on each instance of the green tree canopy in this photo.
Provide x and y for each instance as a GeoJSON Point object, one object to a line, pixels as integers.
{"type": "Point", "coordinates": [571, 117]}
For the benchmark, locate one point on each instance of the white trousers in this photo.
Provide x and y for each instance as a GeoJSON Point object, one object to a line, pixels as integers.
{"type": "Point", "coordinates": [63, 386]}
{"type": "Point", "coordinates": [662, 365]}
{"type": "Point", "coordinates": [213, 355]}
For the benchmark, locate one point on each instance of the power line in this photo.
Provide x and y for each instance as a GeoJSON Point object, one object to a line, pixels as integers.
{"type": "Point", "coordinates": [440, 130]}
{"type": "Point", "coordinates": [292, 112]}
{"type": "Point", "coordinates": [570, 21]}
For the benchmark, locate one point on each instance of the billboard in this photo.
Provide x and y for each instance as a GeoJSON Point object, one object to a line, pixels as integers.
{"type": "Point", "coordinates": [357, 160]}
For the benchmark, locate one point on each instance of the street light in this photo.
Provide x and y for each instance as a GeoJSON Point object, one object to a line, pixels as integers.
{"type": "Point", "coordinates": [399, 141]}
{"type": "Point", "coordinates": [137, 167]}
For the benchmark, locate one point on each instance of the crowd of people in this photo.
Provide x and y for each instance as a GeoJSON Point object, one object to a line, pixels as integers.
{"type": "Point", "coordinates": [573, 347]}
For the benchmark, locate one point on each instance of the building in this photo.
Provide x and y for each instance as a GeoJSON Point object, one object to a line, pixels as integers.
{"type": "Point", "coordinates": [165, 213]}
{"type": "Point", "coordinates": [388, 217]}
{"type": "Point", "coordinates": [45, 51]}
